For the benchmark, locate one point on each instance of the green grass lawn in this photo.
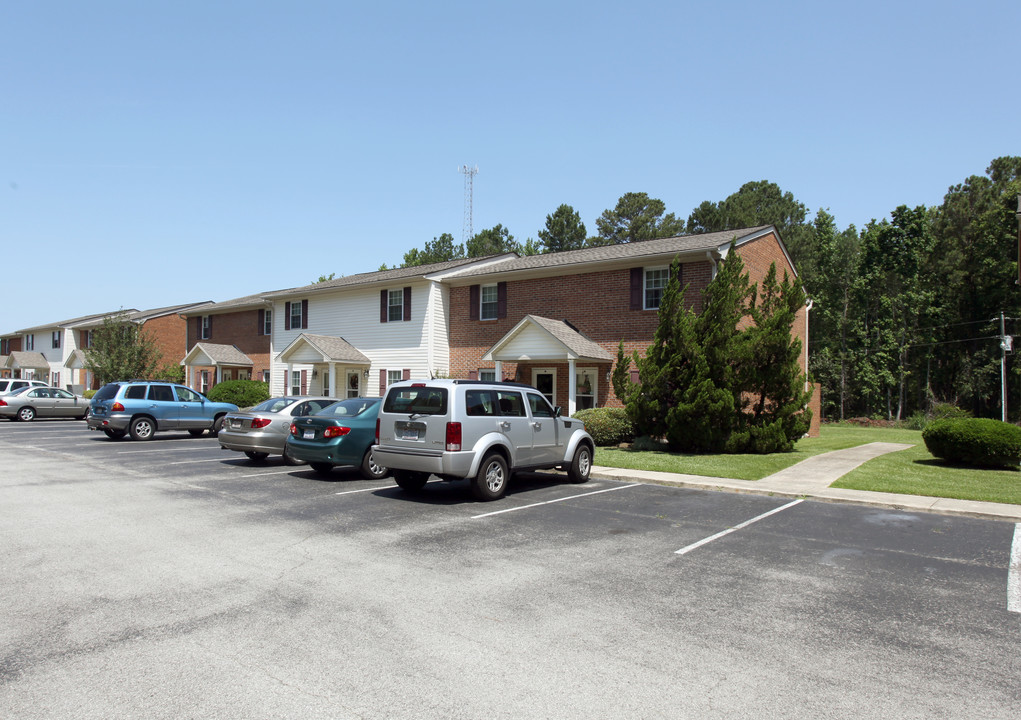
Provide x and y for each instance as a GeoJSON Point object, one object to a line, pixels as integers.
{"type": "Point", "coordinates": [912, 472]}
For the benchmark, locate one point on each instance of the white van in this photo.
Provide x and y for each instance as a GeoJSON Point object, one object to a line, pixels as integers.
{"type": "Point", "coordinates": [10, 384]}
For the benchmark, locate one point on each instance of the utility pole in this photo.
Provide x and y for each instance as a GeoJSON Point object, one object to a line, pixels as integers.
{"type": "Point", "coordinates": [1006, 345]}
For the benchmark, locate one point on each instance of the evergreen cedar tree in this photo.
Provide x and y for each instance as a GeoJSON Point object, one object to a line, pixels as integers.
{"type": "Point", "coordinates": [708, 385]}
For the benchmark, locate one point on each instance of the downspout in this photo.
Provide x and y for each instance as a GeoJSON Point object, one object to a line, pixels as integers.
{"type": "Point", "coordinates": [808, 308]}
{"type": "Point", "coordinates": [711, 256]}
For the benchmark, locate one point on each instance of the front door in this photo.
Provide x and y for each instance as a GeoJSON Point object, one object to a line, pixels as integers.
{"type": "Point", "coordinates": [353, 385]}
{"type": "Point", "coordinates": [545, 381]}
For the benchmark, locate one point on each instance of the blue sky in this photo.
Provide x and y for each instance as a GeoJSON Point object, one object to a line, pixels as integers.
{"type": "Point", "coordinates": [156, 153]}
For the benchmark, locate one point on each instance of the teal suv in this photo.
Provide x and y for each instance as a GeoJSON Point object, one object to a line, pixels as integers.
{"type": "Point", "coordinates": [141, 408]}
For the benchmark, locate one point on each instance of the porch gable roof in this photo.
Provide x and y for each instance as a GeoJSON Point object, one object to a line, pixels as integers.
{"type": "Point", "coordinates": [539, 338]}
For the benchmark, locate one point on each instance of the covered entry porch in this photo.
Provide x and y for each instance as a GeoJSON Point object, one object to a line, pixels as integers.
{"type": "Point", "coordinates": [540, 347]}
{"type": "Point", "coordinates": [324, 365]}
{"type": "Point", "coordinates": [207, 364]}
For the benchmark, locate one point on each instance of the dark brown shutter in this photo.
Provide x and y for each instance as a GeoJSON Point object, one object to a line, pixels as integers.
{"type": "Point", "coordinates": [304, 382]}
{"type": "Point", "coordinates": [680, 275]}
{"type": "Point", "coordinates": [287, 316]}
{"type": "Point", "coordinates": [262, 322]}
{"type": "Point", "coordinates": [304, 314]}
{"type": "Point", "coordinates": [474, 298]}
{"type": "Point", "coordinates": [382, 383]}
{"type": "Point", "coordinates": [407, 304]}
{"type": "Point", "coordinates": [406, 375]}
{"type": "Point", "coordinates": [637, 281]}
{"type": "Point", "coordinates": [198, 328]}
{"type": "Point", "coordinates": [501, 300]}
{"type": "Point", "coordinates": [383, 309]}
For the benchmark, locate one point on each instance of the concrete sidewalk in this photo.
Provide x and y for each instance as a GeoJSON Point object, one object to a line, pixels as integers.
{"type": "Point", "coordinates": [812, 478]}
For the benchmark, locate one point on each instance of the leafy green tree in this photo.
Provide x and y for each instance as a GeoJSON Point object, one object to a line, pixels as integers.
{"type": "Point", "coordinates": [636, 217]}
{"type": "Point", "coordinates": [564, 231]}
{"type": "Point", "coordinates": [439, 249]}
{"type": "Point", "coordinates": [493, 241]}
{"type": "Point", "coordinates": [325, 278]}
{"type": "Point", "coordinates": [122, 350]}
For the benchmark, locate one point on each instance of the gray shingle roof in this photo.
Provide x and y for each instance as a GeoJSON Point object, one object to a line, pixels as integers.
{"type": "Point", "coordinates": [335, 349]}
{"type": "Point", "coordinates": [248, 301]}
{"type": "Point", "coordinates": [27, 359]}
{"type": "Point", "coordinates": [223, 354]}
{"type": "Point", "coordinates": [77, 321]}
{"type": "Point", "coordinates": [658, 248]}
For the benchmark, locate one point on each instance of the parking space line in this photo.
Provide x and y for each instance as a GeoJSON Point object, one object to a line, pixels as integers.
{"type": "Point", "coordinates": [272, 472]}
{"type": "Point", "coordinates": [168, 449]}
{"type": "Point", "coordinates": [550, 502]}
{"type": "Point", "coordinates": [1014, 573]}
{"type": "Point", "coordinates": [746, 523]}
{"type": "Point", "coordinates": [188, 462]}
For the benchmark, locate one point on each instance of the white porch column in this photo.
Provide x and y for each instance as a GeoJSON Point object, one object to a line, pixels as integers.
{"type": "Point", "coordinates": [333, 380]}
{"type": "Point", "coordinates": [219, 373]}
{"type": "Point", "coordinates": [287, 378]}
{"type": "Point", "coordinates": [572, 386]}
{"type": "Point", "coordinates": [499, 370]}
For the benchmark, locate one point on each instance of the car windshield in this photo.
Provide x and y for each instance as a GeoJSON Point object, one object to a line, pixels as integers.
{"type": "Point", "coordinates": [417, 400]}
{"type": "Point", "coordinates": [349, 408]}
{"type": "Point", "coordinates": [274, 404]}
{"type": "Point", "coordinates": [107, 392]}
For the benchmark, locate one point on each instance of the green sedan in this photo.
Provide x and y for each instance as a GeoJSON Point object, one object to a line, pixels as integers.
{"type": "Point", "coordinates": [340, 434]}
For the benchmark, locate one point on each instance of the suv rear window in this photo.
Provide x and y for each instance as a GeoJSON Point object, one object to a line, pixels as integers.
{"type": "Point", "coordinates": [416, 400]}
{"type": "Point", "coordinates": [107, 392]}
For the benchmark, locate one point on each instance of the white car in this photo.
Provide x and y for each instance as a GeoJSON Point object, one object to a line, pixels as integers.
{"type": "Point", "coordinates": [8, 385]}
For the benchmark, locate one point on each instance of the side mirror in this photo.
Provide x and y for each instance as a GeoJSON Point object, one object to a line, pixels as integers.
{"type": "Point", "coordinates": [557, 411]}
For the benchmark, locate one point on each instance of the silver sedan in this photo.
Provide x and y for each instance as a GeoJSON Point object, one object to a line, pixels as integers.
{"type": "Point", "coordinates": [32, 402]}
{"type": "Point", "coordinates": [262, 431]}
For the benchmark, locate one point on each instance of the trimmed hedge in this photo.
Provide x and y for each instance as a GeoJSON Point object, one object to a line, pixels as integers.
{"type": "Point", "coordinates": [607, 425]}
{"type": "Point", "coordinates": [974, 441]}
{"type": "Point", "coordinates": [243, 393]}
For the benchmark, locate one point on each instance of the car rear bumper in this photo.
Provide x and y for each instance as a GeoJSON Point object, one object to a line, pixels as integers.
{"type": "Point", "coordinates": [337, 453]}
{"type": "Point", "coordinates": [451, 464]}
{"type": "Point", "coordinates": [108, 422]}
{"type": "Point", "coordinates": [252, 442]}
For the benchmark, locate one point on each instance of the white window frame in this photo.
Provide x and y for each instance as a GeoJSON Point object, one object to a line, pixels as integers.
{"type": "Point", "coordinates": [356, 391]}
{"type": "Point", "coordinates": [203, 381]}
{"type": "Point", "coordinates": [492, 304]}
{"type": "Point", "coordinates": [662, 276]}
{"type": "Point", "coordinates": [394, 376]}
{"type": "Point", "coordinates": [593, 390]}
{"type": "Point", "coordinates": [296, 317]}
{"type": "Point", "coordinates": [29, 342]}
{"type": "Point", "coordinates": [295, 381]}
{"type": "Point", "coordinates": [55, 339]}
{"type": "Point", "coordinates": [546, 371]}
{"type": "Point", "coordinates": [487, 374]}
{"type": "Point", "coordinates": [207, 327]}
{"type": "Point", "coordinates": [267, 325]}
{"type": "Point", "coordinates": [395, 310]}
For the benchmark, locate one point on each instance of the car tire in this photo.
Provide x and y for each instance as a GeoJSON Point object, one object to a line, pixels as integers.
{"type": "Point", "coordinates": [322, 468]}
{"type": "Point", "coordinates": [196, 432]}
{"type": "Point", "coordinates": [114, 434]}
{"type": "Point", "coordinates": [142, 428]}
{"type": "Point", "coordinates": [410, 481]}
{"type": "Point", "coordinates": [256, 456]}
{"type": "Point", "coordinates": [581, 465]}
{"type": "Point", "coordinates": [371, 470]}
{"type": "Point", "coordinates": [217, 425]}
{"type": "Point", "coordinates": [490, 483]}
{"type": "Point", "coordinates": [26, 414]}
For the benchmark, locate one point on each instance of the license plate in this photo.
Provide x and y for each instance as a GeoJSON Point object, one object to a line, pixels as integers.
{"type": "Point", "coordinates": [235, 424]}
{"type": "Point", "coordinates": [409, 434]}
{"type": "Point", "coordinates": [309, 435]}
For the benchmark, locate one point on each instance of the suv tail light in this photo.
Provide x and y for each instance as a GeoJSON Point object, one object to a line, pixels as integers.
{"type": "Point", "coordinates": [336, 431]}
{"type": "Point", "coordinates": [116, 407]}
{"type": "Point", "coordinates": [377, 431]}
{"type": "Point", "coordinates": [260, 423]}
{"type": "Point", "coordinates": [453, 437]}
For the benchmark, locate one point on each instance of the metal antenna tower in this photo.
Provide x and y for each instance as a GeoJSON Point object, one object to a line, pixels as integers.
{"type": "Point", "coordinates": [467, 231]}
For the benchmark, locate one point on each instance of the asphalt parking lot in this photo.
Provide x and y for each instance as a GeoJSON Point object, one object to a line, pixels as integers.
{"type": "Point", "coordinates": [171, 578]}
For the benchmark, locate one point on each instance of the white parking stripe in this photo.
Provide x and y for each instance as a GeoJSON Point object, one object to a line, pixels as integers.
{"type": "Point", "coordinates": [746, 523]}
{"type": "Point", "coordinates": [272, 472]}
{"type": "Point", "coordinates": [550, 502]}
{"type": "Point", "coordinates": [1014, 573]}
{"type": "Point", "coordinates": [167, 449]}
{"type": "Point", "coordinates": [188, 462]}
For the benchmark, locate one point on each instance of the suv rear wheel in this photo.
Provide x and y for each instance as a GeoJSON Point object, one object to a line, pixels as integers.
{"type": "Point", "coordinates": [490, 483]}
{"type": "Point", "coordinates": [142, 428]}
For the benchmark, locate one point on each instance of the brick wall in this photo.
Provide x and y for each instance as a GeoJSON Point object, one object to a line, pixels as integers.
{"type": "Point", "coordinates": [169, 334]}
{"type": "Point", "coordinates": [239, 328]}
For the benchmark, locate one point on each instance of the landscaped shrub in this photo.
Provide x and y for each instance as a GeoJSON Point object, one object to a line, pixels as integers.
{"type": "Point", "coordinates": [974, 441]}
{"type": "Point", "coordinates": [243, 393]}
{"type": "Point", "coordinates": [607, 426]}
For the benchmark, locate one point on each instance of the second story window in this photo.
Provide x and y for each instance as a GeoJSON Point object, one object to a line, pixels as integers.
{"type": "Point", "coordinates": [55, 338]}
{"type": "Point", "coordinates": [267, 323]}
{"type": "Point", "coordinates": [395, 306]}
{"type": "Point", "coordinates": [655, 283]}
{"type": "Point", "coordinates": [295, 315]}
{"type": "Point", "coordinates": [490, 302]}
{"type": "Point", "coordinates": [207, 327]}
{"type": "Point", "coordinates": [30, 342]}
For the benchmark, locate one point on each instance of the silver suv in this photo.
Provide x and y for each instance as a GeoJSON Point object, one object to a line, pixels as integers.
{"type": "Point", "coordinates": [483, 431]}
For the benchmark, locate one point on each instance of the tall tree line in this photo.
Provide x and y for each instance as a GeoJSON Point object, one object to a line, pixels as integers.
{"type": "Point", "coordinates": [905, 311]}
